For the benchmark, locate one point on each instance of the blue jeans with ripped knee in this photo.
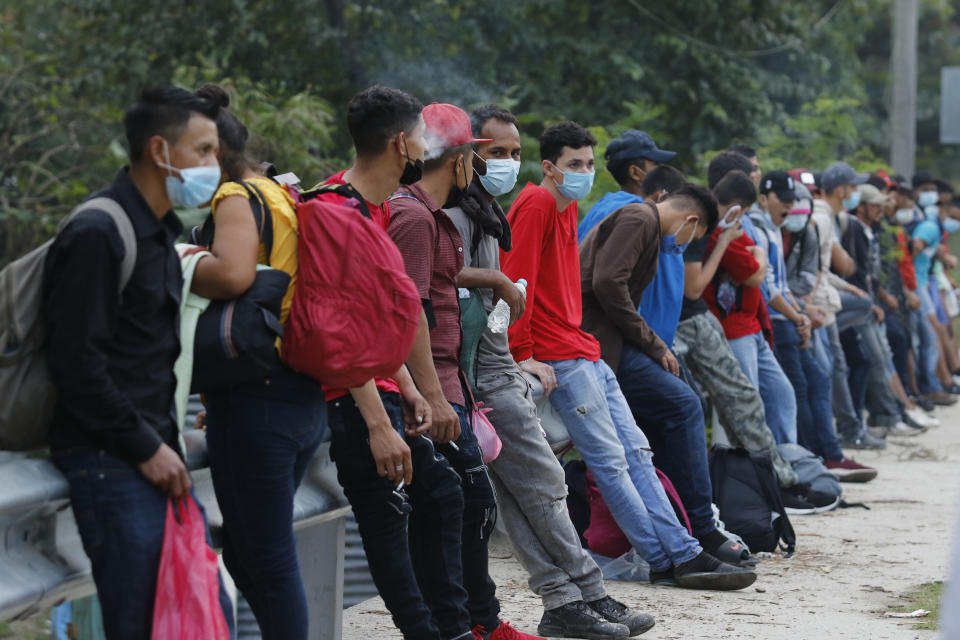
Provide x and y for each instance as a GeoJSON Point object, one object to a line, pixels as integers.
{"type": "Point", "coordinates": [602, 427]}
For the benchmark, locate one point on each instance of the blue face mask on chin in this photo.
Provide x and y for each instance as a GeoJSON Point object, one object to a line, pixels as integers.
{"type": "Point", "coordinates": [669, 244]}
{"type": "Point", "coordinates": [950, 225]}
{"type": "Point", "coordinates": [576, 186]}
{"type": "Point", "coordinates": [927, 198]}
{"type": "Point", "coordinates": [194, 187]}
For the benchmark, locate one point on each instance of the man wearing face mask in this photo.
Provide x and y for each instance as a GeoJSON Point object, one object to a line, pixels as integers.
{"type": "Point", "coordinates": [111, 352]}
{"type": "Point", "coordinates": [529, 480]}
{"type": "Point", "coordinates": [792, 337]}
{"type": "Point", "coordinates": [587, 397]}
{"type": "Point", "coordinates": [433, 254]}
{"type": "Point", "coordinates": [630, 159]}
{"type": "Point", "coordinates": [629, 243]}
{"type": "Point", "coordinates": [846, 306]}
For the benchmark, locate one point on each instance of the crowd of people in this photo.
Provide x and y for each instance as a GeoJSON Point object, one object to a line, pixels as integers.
{"type": "Point", "coordinates": [813, 307]}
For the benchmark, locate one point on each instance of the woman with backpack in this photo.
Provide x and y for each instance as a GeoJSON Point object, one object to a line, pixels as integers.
{"type": "Point", "coordinates": [261, 435]}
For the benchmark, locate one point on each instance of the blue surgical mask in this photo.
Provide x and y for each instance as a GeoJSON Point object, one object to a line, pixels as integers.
{"type": "Point", "coordinates": [932, 212]}
{"type": "Point", "coordinates": [927, 198]}
{"type": "Point", "coordinates": [852, 202]}
{"type": "Point", "coordinates": [795, 222]}
{"type": "Point", "coordinates": [194, 187]}
{"type": "Point", "coordinates": [669, 244]}
{"type": "Point", "coordinates": [501, 176]}
{"type": "Point", "coordinates": [576, 186]}
{"type": "Point", "coordinates": [950, 225]}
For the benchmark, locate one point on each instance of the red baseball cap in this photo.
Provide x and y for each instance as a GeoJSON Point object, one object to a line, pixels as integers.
{"type": "Point", "coordinates": [449, 125]}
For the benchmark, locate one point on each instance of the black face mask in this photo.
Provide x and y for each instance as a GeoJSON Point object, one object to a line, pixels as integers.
{"type": "Point", "coordinates": [412, 172]}
{"type": "Point", "coordinates": [456, 194]}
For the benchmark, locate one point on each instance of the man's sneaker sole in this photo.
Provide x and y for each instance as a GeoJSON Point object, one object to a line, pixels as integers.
{"type": "Point", "coordinates": [806, 511]}
{"type": "Point", "coordinates": [559, 631]}
{"type": "Point", "coordinates": [715, 581]}
{"type": "Point", "coordinates": [854, 475]}
{"type": "Point", "coordinates": [828, 507]}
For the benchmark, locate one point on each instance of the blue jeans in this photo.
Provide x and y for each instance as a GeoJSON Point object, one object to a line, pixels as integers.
{"type": "Point", "coordinates": [121, 520]}
{"type": "Point", "coordinates": [672, 419]}
{"type": "Point", "coordinates": [602, 427]}
{"type": "Point", "coordinates": [382, 512]}
{"type": "Point", "coordinates": [261, 437]}
{"type": "Point", "coordinates": [764, 372]}
{"type": "Point", "coordinates": [812, 390]}
{"type": "Point", "coordinates": [831, 357]}
{"type": "Point", "coordinates": [927, 351]}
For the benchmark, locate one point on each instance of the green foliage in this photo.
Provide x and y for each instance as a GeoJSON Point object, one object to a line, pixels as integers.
{"type": "Point", "coordinates": [806, 80]}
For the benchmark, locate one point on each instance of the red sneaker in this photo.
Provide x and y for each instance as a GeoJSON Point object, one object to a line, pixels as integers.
{"type": "Point", "coordinates": [848, 470]}
{"type": "Point", "coordinates": [503, 632]}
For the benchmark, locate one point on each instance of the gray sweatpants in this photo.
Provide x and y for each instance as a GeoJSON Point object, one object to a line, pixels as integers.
{"type": "Point", "coordinates": [738, 402]}
{"type": "Point", "coordinates": [531, 493]}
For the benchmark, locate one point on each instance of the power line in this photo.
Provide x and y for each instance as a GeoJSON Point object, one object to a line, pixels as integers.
{"type": "Point", "coordinates": [820, 23]}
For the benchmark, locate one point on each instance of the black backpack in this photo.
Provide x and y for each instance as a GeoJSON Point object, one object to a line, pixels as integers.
{"type": "Point", "coordinates": [746, 492]}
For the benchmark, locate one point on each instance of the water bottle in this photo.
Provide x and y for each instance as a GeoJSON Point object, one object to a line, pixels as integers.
{"type": "Point", "coordinates": [499, 318]}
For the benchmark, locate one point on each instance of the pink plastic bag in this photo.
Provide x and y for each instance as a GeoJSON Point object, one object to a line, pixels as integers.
{"type": "Point", "coordinates": [490, 444]}
{"type": "Point", "coordinates": [187, 604]}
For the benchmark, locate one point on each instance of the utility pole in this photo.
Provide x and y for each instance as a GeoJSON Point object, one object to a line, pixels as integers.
{"type": "Point", "coordinates": [903, 62]}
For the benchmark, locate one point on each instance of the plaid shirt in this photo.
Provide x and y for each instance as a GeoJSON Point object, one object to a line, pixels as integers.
{"type": "Point", "coordinates": [433, 255]}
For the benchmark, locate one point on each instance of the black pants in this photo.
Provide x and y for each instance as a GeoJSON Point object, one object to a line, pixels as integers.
{"type": "Point", "coordinates": [384, 515]}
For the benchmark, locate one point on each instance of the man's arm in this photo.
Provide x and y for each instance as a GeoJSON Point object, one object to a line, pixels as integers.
{"type": "Point", "coordinates": [390, 453]}
{"type": "Point", "coordinates": [757, 277]}
{"type": "Point", "coordinates": [414, 233]}
{"type": "Point", "coordinates": [614, 263]}
{"type": "Point", "coordinates": [503, 288]}
{"type": "Point", "coordinates": [697, 275]}
{"type": "Point", "coordinates": [841, 262]}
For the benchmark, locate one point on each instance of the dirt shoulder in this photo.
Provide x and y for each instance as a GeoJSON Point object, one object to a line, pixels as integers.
{"type": "Point", "coordinates": [851, 565]}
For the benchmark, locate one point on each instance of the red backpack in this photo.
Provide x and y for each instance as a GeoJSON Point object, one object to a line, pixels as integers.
{"type": "Point", "coordinates": [355, 310]}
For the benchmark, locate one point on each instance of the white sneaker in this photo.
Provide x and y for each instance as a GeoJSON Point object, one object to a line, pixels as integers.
{"type": "Point", "coordinates": [901, 429]}
{"type": "Point", "coordinates": [956, 379]}
{"type": "Point", "coordinates": [922, 418]}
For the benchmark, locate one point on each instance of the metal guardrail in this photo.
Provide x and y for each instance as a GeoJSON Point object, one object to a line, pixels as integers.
{"type": "Point", "coordinates": [42, 562]}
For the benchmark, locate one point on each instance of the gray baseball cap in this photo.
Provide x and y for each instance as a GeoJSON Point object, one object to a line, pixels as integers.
{"type": "Point", "coordinates": [840, 173]}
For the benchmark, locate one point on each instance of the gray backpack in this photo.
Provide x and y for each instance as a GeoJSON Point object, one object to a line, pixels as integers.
{"type": "Point", "coordinates": [28, 398]}
{"type": "Point", "coordinates": [810, 469]}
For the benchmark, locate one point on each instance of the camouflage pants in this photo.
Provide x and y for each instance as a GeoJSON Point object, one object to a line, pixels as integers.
{"type": "Point", "coordinates": [738, 402]}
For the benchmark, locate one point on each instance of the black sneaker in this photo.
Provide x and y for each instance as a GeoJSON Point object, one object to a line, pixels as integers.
{"type": "Point", "coordinates": [577, 620]}
{"type": "Point", "coordinates": [822, 501]}
{"type": "Point", "coordinates": [865, 440]}
{"type": "Point", "coordinates": [614, 611]}
{"type": "Point", "coordinates": [795, 501]}
{"type": "Point", "coordinates": [663, 578]}
{"type": "Point", "coordinates": [923, 403]}
{"type": "Point", "coordinates": [706, 572]}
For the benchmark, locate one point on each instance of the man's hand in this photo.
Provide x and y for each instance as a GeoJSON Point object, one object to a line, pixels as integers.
{"type": "Point", "coordinates": [507, 291]}
{"type": "Point", "coordinates": [445, 425]}
{"type": "Point", "coordinates": [817, 315]}
{"type": "Point", "coordinates": [201, 422]}
{"type": "Point", "coordinates": [544, 372]}
{"type": "Point", "coordinates": [878, 313]}
{"type": "Point", "coordinates": [891, 301]}
{"type": "Point", "coordinates": [729, 234]}
{"type": "Point", "coordinates": [804, 327]}
{"type": "Point", "coordinates": [857, 291]}
{"type": "Point", "coordinates": [391, 453]}
{"type": "Point", "coordinates": [949, 261]}
{"type": "Point", "coordinates": [166, 471]}
{"type": "Point", "coordinates": [670, 364]}
{"type": "Point", "coordinates": [417, 413]}
{"type": "Point", "coordinates": [913, 300]}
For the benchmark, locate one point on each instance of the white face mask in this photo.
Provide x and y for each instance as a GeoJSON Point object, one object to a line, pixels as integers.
{"type": "Point", "coordinates": [903, 216]}
{"type": "Point", "coordinates": [730, 218]}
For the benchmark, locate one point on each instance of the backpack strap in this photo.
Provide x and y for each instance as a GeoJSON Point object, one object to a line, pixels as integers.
{"type": "Point", "coordinates": [346, 190]}
{"type": "Point", "coordinates": [261, 215]}
{"type": "Point", "coordinates": [122, 221]}
{"type": "Point", "coordinates": [771, 491]}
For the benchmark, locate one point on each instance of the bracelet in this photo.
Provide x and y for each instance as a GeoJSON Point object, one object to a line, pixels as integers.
{"type": "Point", "coordinates": [525, 361]}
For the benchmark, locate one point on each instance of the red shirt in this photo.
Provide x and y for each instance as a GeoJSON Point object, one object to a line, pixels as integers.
{"type": "Point", "coordinates": [433, 257]}
{"type": "Point", "coordinates": [545, 254]}
{"type": "Point", "coordinates": [739, 264]}
{"type": "Point", "coordinates": [905, 262]}
{"type": "Point", "coordinates": [380, 215]}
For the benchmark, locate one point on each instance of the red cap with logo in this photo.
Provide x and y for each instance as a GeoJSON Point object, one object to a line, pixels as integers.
{"type": "Point", "coordinates": [449, 125]}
